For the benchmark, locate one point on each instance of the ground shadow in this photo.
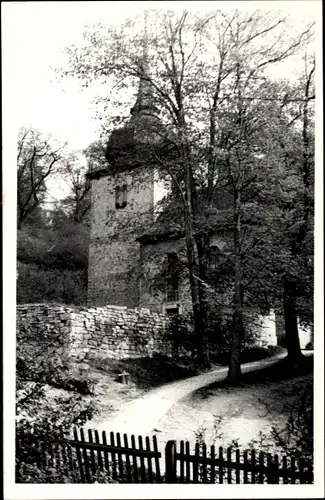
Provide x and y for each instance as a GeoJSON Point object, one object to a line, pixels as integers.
{"type": "Point", "coordinates": [277, 372]}
{"type": "Point", "coordinates": [148, 372]}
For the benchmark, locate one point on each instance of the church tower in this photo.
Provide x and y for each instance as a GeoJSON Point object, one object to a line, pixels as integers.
{"type": "Point", "coordinates": [123, 200]}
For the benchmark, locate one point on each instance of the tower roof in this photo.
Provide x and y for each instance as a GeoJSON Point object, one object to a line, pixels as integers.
{"type": "Point", "coordinates": [126, 145]}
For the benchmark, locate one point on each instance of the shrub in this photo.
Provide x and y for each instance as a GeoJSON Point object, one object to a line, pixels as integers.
{"type": "Point", "coordinates": [39, 284]}
{"type": "Point", "coordinates": [296, 437]}
{"type": "Point", "coordinates": [74, 380]}
{"type": "Point", "coordinates": [179, 334]}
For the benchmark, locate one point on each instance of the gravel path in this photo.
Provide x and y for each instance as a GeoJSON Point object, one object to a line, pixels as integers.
{"type": "Point", "coordinates": [142, 415]}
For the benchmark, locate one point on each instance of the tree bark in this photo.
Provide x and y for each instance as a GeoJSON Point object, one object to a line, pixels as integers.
{"type": "Point", "coordinates": [202, 245]}
{"type": "Point", "coordinates": [234, 371]}
{"type": "Point", "coordinates": [190, 207]}
{"type": "Point", "coordinates": [292, 342]}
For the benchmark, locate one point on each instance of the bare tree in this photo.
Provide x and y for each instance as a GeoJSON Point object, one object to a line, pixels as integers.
{"type": "Point", "coordinates": [37, 161]}
{"type": "Point", "coordinates": [78, 202]}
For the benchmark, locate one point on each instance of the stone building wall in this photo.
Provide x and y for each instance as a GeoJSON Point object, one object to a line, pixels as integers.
{"type": "Point", "coordinates": [114, 253]}
{"type": "Point", "coordinates": [102, 332]}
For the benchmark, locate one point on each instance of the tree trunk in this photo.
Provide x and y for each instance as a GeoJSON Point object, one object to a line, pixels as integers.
{"type": "Point", "coordinates": [292, 342]}
{"type": "Point", "coordinates": [190, 206]}
{"type": "Point", "coordinates": [200, 340]}
{"type": "Point", "coordinates": [204, 354]}
{"type": "Point", "coordinates": [234, 372]}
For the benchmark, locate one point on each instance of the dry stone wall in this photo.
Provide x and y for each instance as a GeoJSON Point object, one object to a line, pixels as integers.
{"type": "Point", "coordinates": [101, 332]}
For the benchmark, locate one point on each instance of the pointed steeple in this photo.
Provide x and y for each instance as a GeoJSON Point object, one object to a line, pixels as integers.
{"type": "Point", "coordinates": [142, 126]}
{"type": "Point", "coordinates": [145, 101]}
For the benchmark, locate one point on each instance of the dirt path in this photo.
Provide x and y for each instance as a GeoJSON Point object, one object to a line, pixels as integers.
{"type": "Point", "coordinates": [142, 415]}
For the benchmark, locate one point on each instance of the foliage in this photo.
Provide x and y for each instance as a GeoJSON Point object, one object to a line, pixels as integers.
{"type": "Point", "coordinates": [297, 436]}
{"type": "Point", "coordinates": [53, 263]}
{"type": "Point", "coordinates": [179, 334]}
{"type": "Point", "coordinates": [224, 127]}
{"type": "Point", "coordinates": [36, 284]}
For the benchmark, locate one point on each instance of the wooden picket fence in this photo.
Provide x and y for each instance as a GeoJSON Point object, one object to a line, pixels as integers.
{"type": "Point", "coordinates": [89, 456]}
{"type": "Point", "coordinates": [211, 465]}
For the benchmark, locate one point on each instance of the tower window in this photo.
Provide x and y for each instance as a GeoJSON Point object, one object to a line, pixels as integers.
{"type": "Point", "coordinates": [121, 196]}
{"type": "Point", "coordinates": [172, 283]}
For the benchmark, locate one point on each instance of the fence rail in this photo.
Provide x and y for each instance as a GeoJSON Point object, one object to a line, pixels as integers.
{"type": "Point", "coordinates": [232, 466]}
{"type": "Point", "coordinates": [87, 456]}
{"type": "Point", "coordinates": [92, 456]}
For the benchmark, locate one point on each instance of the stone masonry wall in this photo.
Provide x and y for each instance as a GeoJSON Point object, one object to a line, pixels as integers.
{"type": "Point", "coordinates": [42, 325]}
{"type": "Point", "coordinates": [102, 332]}
{"type": "Point", "coordinates": [114, 253]}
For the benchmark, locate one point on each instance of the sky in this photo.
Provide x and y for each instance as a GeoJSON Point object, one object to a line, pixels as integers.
{"type": "Point", "coordinates": [35, 34]}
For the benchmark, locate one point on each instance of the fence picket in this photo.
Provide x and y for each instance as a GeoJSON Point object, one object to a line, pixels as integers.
{"type": "Point", "coordinates": [276, 469]}
{"type": "Point", "coordinates": [261, 468]}
{"type": "Point", "coordinates": [246, 467]}
{"type": "Point", "coordinates": [142, 466]}
{"type": "Point", "coordinates": [99, 453]}
{"type": "Point", "coordinates": [238, 465]}
{"type": "Point", "coordinates": [79, 457]}
{"type": "Point", "coordinates": [170, 462]}
{"type": "Point", "coordinates": [106, 459]}
{"type": "Point", "coordinates": [285, 470]}
{"type": "Point", "coordinates": [134, 460]}
{"type": "Point", "coordinates": [221, 465]}
{"type": "Point", "coordinates": [113, 454]}
{"type": "Point", "coordinates": [157, 466]}
{"type": "Point", "coordinates": [92, 455]}
{"type": "Point", "coordinates": [187, 463]}
{"type": "Point", "coordinates": [127, 460]}
{"type": "Point", "coordinates": [120, 457]}
{"type": "Point", "coordinates": [149, 458]}
{"type": "Point", "coordinates": [204, 463]}
{"type": "Point", "coordinates": [196, 463]}
{"type": "Point", "coordinates": [269, 475]}
{"type": "Point", "coordinates": [253, 462]}
{"type": "Point", "coordinates": [229, 471]}
{"type": "Point", "coordinates": [182, 461]}
{"type": "Point", "coordinates": [85, 457]}
{"type": "Point", "coordinates": [213, 465]}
